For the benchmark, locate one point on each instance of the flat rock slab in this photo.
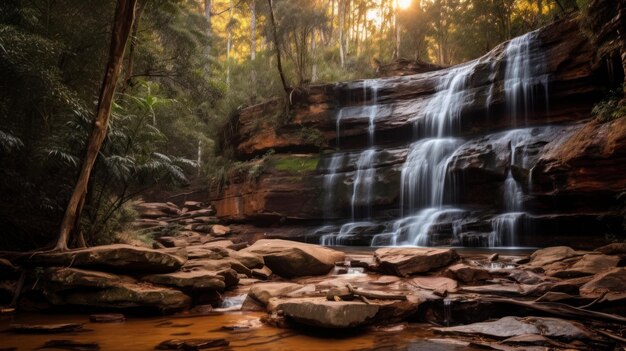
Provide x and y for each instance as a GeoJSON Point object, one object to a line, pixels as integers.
{"type": "Point", "coordinates": [46, 328]}
{"type": "Point", "coordinates": [65, 278]}
{"type": "Point", "coordinates": [293, 259]}
{"type": "Point", "coordinates": [609, 283]}
{"type": "Point", "coordinates": [263, 292]}
{"type": "Point", "coordinates": [191, 344]}
{"type": "Point", "coordinates": [509, 327]}
{"type": "Point", "coordinates": [439, 284]}
{"type": "Point", "coordinates": [589, 264]}
{"type": "Point", "coordinates": [329, 314]}
{"type": "Point", "coordinates": [118, 257]}
{"type": "Point", "coordinates": [131, 295]}
{"type": "Point", "coordinates": [550, 255]}
{"type": "Point", "coordinates": [195, 280]}
{"type": "Point", "coordinates": [406, 261]}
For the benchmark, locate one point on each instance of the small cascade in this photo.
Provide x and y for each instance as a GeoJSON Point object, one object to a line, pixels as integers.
{"type": "Point", "coordinates": [329, 183]}
{"type": "Point", "coordinates": [506, 227]}
{"type": "Point", "coordinates": [443, 112]}
{"type": "Point", "coordinates": [447, 311]}
{"type": "Point", "coordinates": [363, 184]}
{"type": "Point", "coordinates": [373, 110]}
{"type": "Point", "coordinates": [524, 76]}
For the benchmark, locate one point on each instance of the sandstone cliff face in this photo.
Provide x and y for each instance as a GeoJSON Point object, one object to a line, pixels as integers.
{"type": "Point", "coordinates": [568, 168]}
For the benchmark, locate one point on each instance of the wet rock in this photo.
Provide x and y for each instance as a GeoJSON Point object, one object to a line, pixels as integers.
{"type": "Point", "coordinates": [550, 255]}
{"type": "Point", "coordinates": [263, 292]}
{"type": "Point", "coordinates": [107, 318]}
{"type": "Point", "coordinates": [292, 259]}
{"type": "Point", "coordinates": [118, 257]}
{"type": "Point", "coordinates": [328, 314]}
{"type": "Point", "coordinates": [589, 264]}
{"type": "Point", "coordinates": [407, 261]}
{"type": "Point", "coordinates": [194, 280]}
{"type": "Point", "coordinates": [438, 284]}
{"type": "Point", "coordinates": [611, 282]}
{"type": "Point", "coordinates": [191, 344]}
{"type": "Point", "coordinates": [468, 274]}
{"type": "Point", "coordinates": [70, 345]}
{"type": "Point", "coordinates": [493, 257]}
{"type": "Point", "coordinates": [46, 328]}
{"type": "Point", "coordinates": [127, 295]}
{"type": "Point", "coordinates": [508, 327]}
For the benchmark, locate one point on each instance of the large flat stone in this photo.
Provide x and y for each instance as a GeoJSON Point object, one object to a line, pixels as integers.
{"type": "Point", "coordinates": [293, 259]}
{"type": "Point", "coordinates": [406, 261]}
{"type": "Point", "coordinates": [609, 283]}
{"type": "Point", "coordinates": [194, 280]}
{"type": "Point", "coordinates": [329, 314]}
{"type": "Point", "coordinates": [118, 257]}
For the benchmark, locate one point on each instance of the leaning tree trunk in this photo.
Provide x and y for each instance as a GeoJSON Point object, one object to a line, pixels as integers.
{"type": "Point", "coordinates": [122, 24]}
{"type": "Point", "coordinates": [275, 35]}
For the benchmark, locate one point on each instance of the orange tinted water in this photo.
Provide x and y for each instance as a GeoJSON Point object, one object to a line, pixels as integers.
{"type": "Point", "coordinates": [146, 333]}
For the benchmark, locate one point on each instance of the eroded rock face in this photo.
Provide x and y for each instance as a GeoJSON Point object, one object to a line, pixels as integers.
{"type": "Point", "coordinates": [293, 259]}
{"type": "Point", "coordinates": [406, 261]}
{"type": "Point", "coordinates": [196, 280]}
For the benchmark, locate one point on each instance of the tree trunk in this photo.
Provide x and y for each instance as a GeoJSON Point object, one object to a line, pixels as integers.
{"type": "Point", "coordinates": [341, 13]}
{"type": "Point", "coordinates": [122, 24]}
{"type": "Point", "coordinates": [229, 43]}
{"type": "Point", "coordinates": [133, 43]}
{"type": "Point", "coordinates": [275, 35]}
{"type": "Point", "coordinates": [252, 30]}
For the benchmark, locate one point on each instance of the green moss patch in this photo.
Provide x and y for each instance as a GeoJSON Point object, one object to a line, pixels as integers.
{"type": "Point", "coordinates": [295, 164]}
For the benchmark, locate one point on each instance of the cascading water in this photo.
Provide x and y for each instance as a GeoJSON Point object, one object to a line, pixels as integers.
{"type": "Point", "coordinates": [524, 75]}
{"type": "Point", "coordinates": [426, 191]}
{"type": "Point", "coordinates": [505, 227]}
{"type": "Point", "coordinates": [329, 183]}
{"type": "Point", "coordinates": [423, 177]}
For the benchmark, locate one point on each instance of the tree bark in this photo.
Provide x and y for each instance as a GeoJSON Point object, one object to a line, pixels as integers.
{"type": "Point", "coordinates": [122, 24]}
{"type": "Point", "coordinates": [341, 12]}
{"type": "Point", "coordinates": [275, 35]}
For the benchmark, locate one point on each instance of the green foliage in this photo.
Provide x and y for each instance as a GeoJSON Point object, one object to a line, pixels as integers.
{"type": "Point", "coordinates": [313, 136]}
{"type": "Point", "coordinates": [610, 108]}
{"type": "Point", "coordinates": [294, 164]}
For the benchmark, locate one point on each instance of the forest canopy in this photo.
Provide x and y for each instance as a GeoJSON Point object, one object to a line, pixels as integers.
{"type": "Point", "coordinates": [188, 65]}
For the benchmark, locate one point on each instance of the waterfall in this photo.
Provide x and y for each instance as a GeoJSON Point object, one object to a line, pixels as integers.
{"type": "Point", "coordinates": [329, 183]}
{"type": "Point", "coordinates": [363, 184]}
{"type": "Point", "coordinates": [443, 112]}
{"type": "Point", "coordinates": [524, 75]}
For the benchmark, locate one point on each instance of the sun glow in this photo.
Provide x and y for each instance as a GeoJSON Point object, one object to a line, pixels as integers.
{"type": "Point", "coordinates": [404, 4]}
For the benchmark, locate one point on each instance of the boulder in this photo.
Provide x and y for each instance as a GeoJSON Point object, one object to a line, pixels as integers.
{"type": "Point", "coordinates": [406, 261]}
{"type": "Point", "coordinates": [263, 273]}
{"type": "Point", "coordinates": [192, 280]}
{"type": "Point", "coordinates": [467, 273]}
{"type": "Point", "coordinates": [293, 259]}
{"type": "Point", "coordinates": [550, 255]}
{"type": "Point", "coordinates": [328, 314]}
{"type": "Point", "coordinates": [589, 264]}
{"type": "Point", "coordinates": [611, 282]}
{"type": "Point", "coordinates": [248, 259]}
{"type": "Point", "coordinates": [508, 327]}
{"type": "Point", "coordinates": [117, 257]}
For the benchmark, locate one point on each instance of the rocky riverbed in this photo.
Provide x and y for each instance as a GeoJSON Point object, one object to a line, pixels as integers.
{"type": "Point", "coordinates": [554, 298]}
